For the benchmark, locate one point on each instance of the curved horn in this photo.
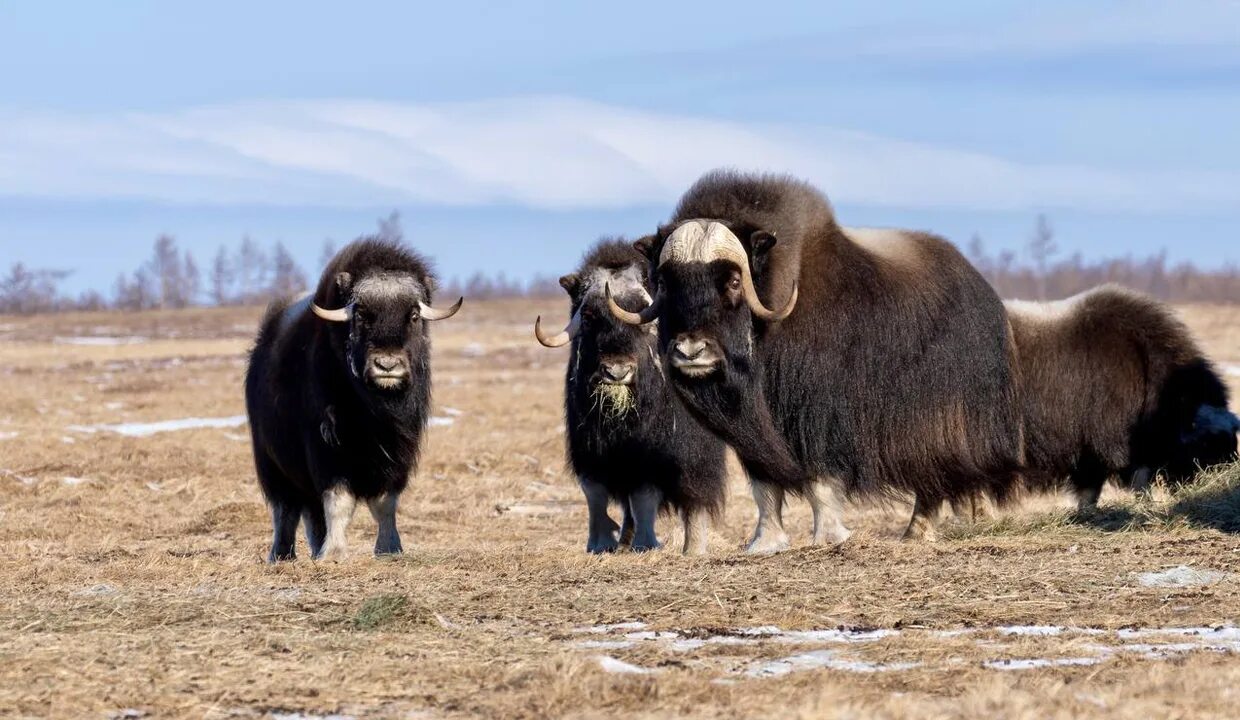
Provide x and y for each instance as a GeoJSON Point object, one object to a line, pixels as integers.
{"type": "Point", "coordinates": [692, 242]}
{"type": "Point", "coordinates": [647, 314]}
{"type": "Point", "coordinates": [561, 338]}
{"type": "Point", "coordinates": [341, 315]}
{"type": "Point", "coordinates": [429, 313]}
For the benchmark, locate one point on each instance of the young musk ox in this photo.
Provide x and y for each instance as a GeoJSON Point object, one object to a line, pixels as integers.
{"type": "Point", "coordinates": [1116, 386]}
{"type": "Point", "coordinates": [887, 366]}
{"type": "Point", "coordinates": [629, 438]}
{"type": "Point", "coordinates": [337, 393]}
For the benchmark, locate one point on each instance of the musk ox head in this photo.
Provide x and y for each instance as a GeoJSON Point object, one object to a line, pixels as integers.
{"type": "Point", "coordinates": [1210, 440]}
{"type": "Point", "coordinates": [706, 301]}
{"type": "Point", "coordinates": [375, 296]}
{"type": "Point", "coordinates": [607, 354]}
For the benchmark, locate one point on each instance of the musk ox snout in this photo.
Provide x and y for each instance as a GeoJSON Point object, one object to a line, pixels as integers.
{"type": "Point", "coordinates": [693, 355]}
{"type": "Point", "coordinates": [617, 369]}
{"type": "Point", "coordinates": [387, 369]}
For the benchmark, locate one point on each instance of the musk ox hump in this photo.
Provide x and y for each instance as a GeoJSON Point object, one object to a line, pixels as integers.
{"type": "Point", "coordinates": [896, 246]}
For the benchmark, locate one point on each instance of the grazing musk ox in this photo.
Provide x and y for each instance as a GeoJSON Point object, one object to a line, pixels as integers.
{"type": "Point", "coordinates": [1116, 386]}
{"type": "Point", "coordinates": [337, 392]}
{"type": "Point", "coordinates": [886, 366]}
{"type": "Point", "coordinates": [629, 438]}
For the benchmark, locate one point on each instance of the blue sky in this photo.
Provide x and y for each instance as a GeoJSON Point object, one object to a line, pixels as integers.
{"type": "Point", "coordinates": [509, 136]}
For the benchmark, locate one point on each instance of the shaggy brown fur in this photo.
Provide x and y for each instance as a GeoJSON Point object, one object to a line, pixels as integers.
{"type": "Point", "coordinates": [895, 372]}
{"type": "Point", "coordinates": [1115, 385]}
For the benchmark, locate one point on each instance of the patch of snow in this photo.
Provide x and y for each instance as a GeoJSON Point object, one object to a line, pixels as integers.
{"type": "Point", "coordinates": [816, 636]}
{"type": "Point", "coordinates": [453, 412]}
{"type": "Point", "coordinates": [1034, 663]}
{"type": "Point", "coordinates": [612, 665]}
{"type": "Point", "coordinates": [236, 437]}
{"type": "Point", "coordinates": [441, 421]}
{"type": "Point", "coordinates": [1031, 630]}
{"type": "Point", "coordinates": [1221, 633]}
{"type": "Point", "coordinates": [1232, 370]}
{"type": "Point", "coordinates": [604, 644]}
{"type": "Point", "coordinates": [817, 659]}
{"type": "Point", "coordinates": [74, 480]}
{"type": "Point", "coordinates": [152, 428]}
{"type": "Point", "coordinates": [99, 340]}
{"type": "Point", "coordinates": [8, 435]}
{"type": "Point", "coordinates": [114, 405]}
{"type": "Point", "coordinates": [474, 350]}
{"type": "Point", "coordinates": [1181, 576]}
{"type": "Point", "coordinates": [67, 440]}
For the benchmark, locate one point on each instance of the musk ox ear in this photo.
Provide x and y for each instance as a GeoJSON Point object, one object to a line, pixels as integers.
{"type": "Point", "coordinates": [762, 241]}
{"type": "Point", "coordinates": [570, 282]}
{"type": "Point", "coordinates": [344, 281]}
{"type": "Point", "coordinates": [645, 246]}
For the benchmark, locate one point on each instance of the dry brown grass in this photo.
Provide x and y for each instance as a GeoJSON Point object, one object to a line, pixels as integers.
{"type": "Point", "coordinates": [140, 584]}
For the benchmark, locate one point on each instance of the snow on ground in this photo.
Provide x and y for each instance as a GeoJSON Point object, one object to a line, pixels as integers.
{"type": "Point", "coordinates": [99, 341]}
{"type": "Point", "coordinates": [1181, 576]}
{"type": "Point", "coordinates": [152, 428]}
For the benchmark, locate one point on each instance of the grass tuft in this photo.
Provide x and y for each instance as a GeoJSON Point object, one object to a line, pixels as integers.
{"type": "Point", "coordinates": [381, 610]}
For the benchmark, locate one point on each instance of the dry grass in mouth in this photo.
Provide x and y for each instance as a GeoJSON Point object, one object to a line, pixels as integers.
{"type": "Point", "coordinates": [615, 401]}
{"type": "Point", "coordinates": [132, 581]}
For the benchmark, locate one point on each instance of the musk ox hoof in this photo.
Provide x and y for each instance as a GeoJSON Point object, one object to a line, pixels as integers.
{"type": "Point", "coordinates": [767, 544]}
{"type": "Point", "coordinates": [833, 538]}
{"type": "Point", "coordinates": [920, 535]}
{"type": "Point", "coordinates": [607, 544]}
{"type": "Point", "coordinates": [646, 545]}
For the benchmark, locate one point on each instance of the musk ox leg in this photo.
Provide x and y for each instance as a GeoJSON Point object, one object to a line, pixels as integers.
{"type": "Point", "coordinates": [769, 536]}
{"type": "Point", "coordinates": [826, 501]}
{"type": "Point", "coordinates": [925, 518]}
{"type": "Point", "coordinates": [1142, 482]}
{"type": "Point", "coordinates": [645, 506]}
{"type": "Point", "coordinates": [603, 530]}
{"type": "Point", "coordinates": [383, 510]}
{"type": "Point", "coordinates": [284, 520]}
{"type": "Point", "coordinates": [315, 525]}
{"type": "Point", "coordinates": [697, 530]}
{"type": "Point", "coordinates": [338, 507]}
{"type": "Point", "coordinates": [627, 528]}
{"type": "Point", "coordinates": [975, 508]}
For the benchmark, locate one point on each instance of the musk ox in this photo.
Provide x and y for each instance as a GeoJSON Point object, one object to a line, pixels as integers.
{"type": "Point", "coordinates": [629, 438]}
{"type": "Point", "coordinates": [833, 360]}
{"type": "Point", "coordinates": [1116, 386]}
{"type": "Point", "coordinates": [337, 392]}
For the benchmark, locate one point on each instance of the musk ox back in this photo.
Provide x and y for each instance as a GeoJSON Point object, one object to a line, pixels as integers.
{"type": "Point", "coordinates": [629, 438]}
{"type": "Point", "coordinates": [871, 360]}
{"type": "Point", "coordinates": [1116, 386]}
{"type": "Point", "coordinates": [337, 393]}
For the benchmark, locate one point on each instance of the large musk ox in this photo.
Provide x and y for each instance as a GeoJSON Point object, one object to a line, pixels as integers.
{"type": "Point", "coordinates": [1116, 386]}
{"type": "Point", "coordinates": [629, 438]}
{"type": "Point", "coordinates": [833, 360]}
{"type": "Point", "coordinates": [337, 393]}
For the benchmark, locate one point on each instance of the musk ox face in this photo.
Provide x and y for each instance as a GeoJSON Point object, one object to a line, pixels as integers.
{"type": "Point", "coordinates": [385, 317]}
{"type": "Point", "coordinates": [1210, 440]}
{"type": "Point", "coordinates": [707, 301]}
{"type": "Point", "coordinates": [607, 353]}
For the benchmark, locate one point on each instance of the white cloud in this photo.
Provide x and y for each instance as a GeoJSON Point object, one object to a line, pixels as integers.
{"type": "Point", "coordinates": [539, 152]}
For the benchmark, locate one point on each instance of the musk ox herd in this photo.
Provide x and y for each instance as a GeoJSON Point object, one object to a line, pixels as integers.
{"type": "Point", "coordinates": [838, 363]}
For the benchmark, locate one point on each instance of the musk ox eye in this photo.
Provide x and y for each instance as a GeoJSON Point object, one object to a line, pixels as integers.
{"type": "Point", "coordinates": [734, 283]}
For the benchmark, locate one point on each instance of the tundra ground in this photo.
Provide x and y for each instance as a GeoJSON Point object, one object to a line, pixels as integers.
{"type": "Point", "coordinates": [132, 580]}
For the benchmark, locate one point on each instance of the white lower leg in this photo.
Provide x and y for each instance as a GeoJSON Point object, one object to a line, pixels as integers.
{"type": "Point", "coordinates": [697, 531]}
{"type": "Point", "coordinates": [826, 501]}
{"type": "Point", "coordinates": [338, 506]}
{"type": "Point", "coordinates": [769, 536]}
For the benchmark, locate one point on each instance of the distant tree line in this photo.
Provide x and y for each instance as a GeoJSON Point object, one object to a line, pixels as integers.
{"type": "Point", "coordinates": [1047, 276]}
{"type": "Point", "coordinates": [250, 274]}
